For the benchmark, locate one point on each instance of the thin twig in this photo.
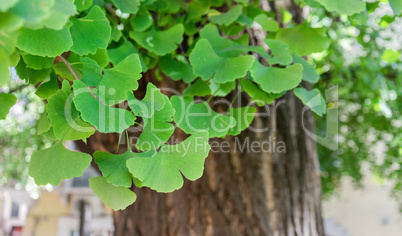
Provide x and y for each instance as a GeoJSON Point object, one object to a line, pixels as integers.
{"type": "Point", "coordinates": [69, 67]}
{"type": "Point", "coordinates": [76, 77]}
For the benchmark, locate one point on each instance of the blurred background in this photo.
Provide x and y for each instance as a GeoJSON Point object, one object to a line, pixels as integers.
{"type": "Point", "coordinates": [361, 180]}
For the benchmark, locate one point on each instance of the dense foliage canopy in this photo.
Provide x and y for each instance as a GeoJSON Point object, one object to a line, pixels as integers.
{"type": "Point", "coordinates": [86, 58]}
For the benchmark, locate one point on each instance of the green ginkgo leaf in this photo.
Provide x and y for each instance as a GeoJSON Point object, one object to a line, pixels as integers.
{"type": "Point", "coordinates": [119, 80]}
{"type": "Point", "coordinates": [30, 75]}
{"type": "Point", "coordinates": [10, 22]}
{"type": "Point", "coordinates": [6, 102]}
{"type": "Point", "coordinates": [83, 4]}
{"type": "Point", "coordinates": [280, 52]}
{"type": "Point", "coordinates": [177, 69]}
{"type": "Point", "coordinates": [396, 6]}
{"type": "Point", "coordinates": [243, 116]}
{"type": "Point", "coordinates": [256, 94]}
{"type": "Point", "coordinates": [221, 90]}
{"type": "Point", "coordinates": [59, 15]}
{"type": "Point", "coordinates": [114, 167]}
{"type": "Point", "coordinates": [153, 101]}
{"type": "Point", "coordinates": [52, 165]}
{"type": "Point", "coordinates": [224, 47]}
{"type": "Point", "coordinates": [8, 41]}
{"type": "Point", "coordinates": [42, 42]}
{"type": "Point", "coordinates": [277, 80]}
{"type": "Point", "coordinates": [64, 117]}
{"type": "Point", "coordinates": [218, 43]}
{"type": "Point", "coordinates": [32, 11]}
{"type": "Point", "coordinates": [90, 32]}
{"type": "Point", "coordinates": [101, 57]}
{"type": "Point", "coordinates": [206, 63]}
{"type": "Point", "coordinates": [313, 99]}
{"type": "Point", "coordinates": [43, 124]}
{"type": "Point", "coordinates": [48, 88]}
{"type": "Point", "coordinates": [347, 7]}
{"type": "Point", "coordinates": [37, 62]}
{"type": "Point", "coordinates": [127, 6]}
{"type": "Point", "coordinates": [163, 172]}
{"type": "Point", "coordinates": [160, 42]}
{"type": "Point", "coordinates": [198, 88]}
{"type": "Point", "coordinates": [65, 73]}
{"type": "Point", "coordinates": [106, 119]}
{"type": "Point", "coordinates": [117, 198]}
{"type": "Point", "coordinates": [156, 111]}
{"type": "Point", "coordinates": [192, 117]}
{"type": "Point", "coordinates": [142, 20]}
{"type": "Point", "coordinates": [266, 23]}
{"type": "Point", "coordinates": [309, 40]}
{"type": "Point", "coordinates": [157, 129]}
{"type": "Point", "coordinates": [91, 72]}
{"type": "Point", "coordinates": [5, 5]}
{"type": "Point", "coordinates": [116, 55]}
{"type": "Point", "coordinates": [4, 71]}
{"type": "Point", "coordinates": [310, 74]}
{"type": "Point", "coordinates": [226, 18]}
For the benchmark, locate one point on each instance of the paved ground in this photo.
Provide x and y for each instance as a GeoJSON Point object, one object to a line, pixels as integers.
{"type": "Point", "coordinates": [332, 228]}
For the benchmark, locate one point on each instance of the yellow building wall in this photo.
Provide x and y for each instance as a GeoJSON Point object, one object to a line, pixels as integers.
{"type": "Point", "coordinates": [43, 217]}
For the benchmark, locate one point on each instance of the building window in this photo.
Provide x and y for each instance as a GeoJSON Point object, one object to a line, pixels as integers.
{"type": "Point", "coordinates": [15, 210]}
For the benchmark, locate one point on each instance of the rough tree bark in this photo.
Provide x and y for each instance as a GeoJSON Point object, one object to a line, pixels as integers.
{"type": "Point", "coordinates": [241, 192]}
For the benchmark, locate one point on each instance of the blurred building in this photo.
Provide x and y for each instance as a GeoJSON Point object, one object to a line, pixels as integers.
{"type": "Point", "coordinates": [72, 208]}
{"type": "Point", "coordinates": [14, 205]}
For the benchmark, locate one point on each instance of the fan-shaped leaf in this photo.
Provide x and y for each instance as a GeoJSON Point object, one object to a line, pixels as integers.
{"type": "Point", "coordinates": [347, 7]}
{"type": "Point", "coordinates": [280, 52]}
{"type": "Point", "coordinates": [106, 119]}
{"type": "Point", "coordinates": [120, 79]}
{"type": "Point", "coordinates": [4, 71]}
{"type": "Point", "coordinates": [127, 6]}
{"type": "Point", "coordinates": [117, 198]}
{"type": "Point", "coordinates": [6, 102]}
{"type": "Point", "coordinates": [192, 117]}
{"type": "Point", "coordinates": [310, 74]}
{"type": "Point", "coordinates": [277, 80]}
{"type": "Point", "coordinates": [396, 6]}
{"type": "Point", "coordinates": [32, 11]}
{"type": "Point", "coordinates": [176, 69]}
{"type": "Point", "coordinates": [160, 42]}
{"type": "Point", "coordinates": [207, 64]}
{"type": "Point", "coordinates": [313, 99]}
{"type": "Point", "coordinates": [64, 117]}
{"type": "Point", "coordinates": [226, 18]}
{"type": "Point", "coordinates": [42, 42]}
{"type": "Point", "coordinates": [243, 116]}
{"type": "Point", "coordinates": [266, 23]}
{"type": "Point", "coordinates": [257, 94]}
{"type": "Point", "coordinates": [90, 32]}
{"type": "Point", "coordinates": [309, 40]}
{"type": "Point", "coordinates": [52, 165]}
{"type": "Point", "coordinates": [114, 167]}
{"type": "Point", "coordinates": [37, 62]}
{"type": "Point", "coordinates": [163, 172]}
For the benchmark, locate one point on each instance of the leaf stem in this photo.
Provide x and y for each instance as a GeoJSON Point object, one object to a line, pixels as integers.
{"type": "Point", "coordinates": [118, 144]}
{"type": "Point", "coordinates": [128, 141]}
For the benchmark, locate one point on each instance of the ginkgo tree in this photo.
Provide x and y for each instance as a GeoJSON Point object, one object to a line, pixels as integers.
{"type": "Point", "coordinates": [104, 67]}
